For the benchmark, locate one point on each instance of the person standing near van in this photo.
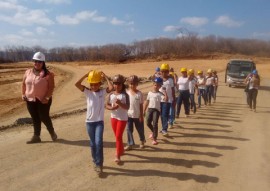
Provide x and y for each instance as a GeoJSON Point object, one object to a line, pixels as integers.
{"type": "Point", "coordinates": [135, 113]}
{"type": "Point", "coordinates": [254, 83]}
{"type": "Point", "coordinates": [95, 97]}
{"type": "Point", "coordinates": [209, 85]}
{"type": "Point", "coordinates": [37, 90]}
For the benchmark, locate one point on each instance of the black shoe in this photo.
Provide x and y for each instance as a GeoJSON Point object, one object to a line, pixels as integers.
{"type": "Point", "coordinates": [54, 136]}
{"type": "Point", "coordinates": [34, 139]}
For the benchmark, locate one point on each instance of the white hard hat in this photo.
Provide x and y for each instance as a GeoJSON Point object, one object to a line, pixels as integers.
{"type": "Point", "coordinates": [39, 56]}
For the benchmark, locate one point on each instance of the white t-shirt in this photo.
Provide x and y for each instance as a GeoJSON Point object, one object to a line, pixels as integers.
{"type": "Point", "coordinates": [119, 113]}
{"type": "Point", "coordinates": [201, 82]}
{"type": "Point", "coordinates": [183, 83]}
{"type": "Point", "coordinates": [154, 99]}
{"type": "Point", "coordinates": [168, 84]}
{"type": "Point", "coordinates": [135, 101]}
{"type": "Point", "coordinates": [95, 105]}
{"type": "Point", "coordinates": [210, 80]}
{"type": "Point", "coordinates": [192, 86]}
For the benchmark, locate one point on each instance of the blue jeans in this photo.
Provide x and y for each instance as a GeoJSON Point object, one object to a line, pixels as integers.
{"type": "Point", "coordinates": [192, 103]}
{"type": "Point", "coordinates": [183, 97]}
{"type": "Point", "coordinates": [165, 111]}
{"type": "Point", "coordinates": [172, 114]}
{"type": "Point", "coordinates": [95, 132]}
{"type": "Point", "coordinates": [201, 95]}
{"type": "Point", "coordinates": [140, 129]}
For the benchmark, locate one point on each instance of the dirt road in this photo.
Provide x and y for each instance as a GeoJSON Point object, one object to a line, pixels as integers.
{"type": "Point", "coordinates": [222, 147]}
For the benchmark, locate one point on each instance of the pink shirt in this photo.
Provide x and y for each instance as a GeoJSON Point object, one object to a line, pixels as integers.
{"type": "Point", "coordinates": [37, 86]}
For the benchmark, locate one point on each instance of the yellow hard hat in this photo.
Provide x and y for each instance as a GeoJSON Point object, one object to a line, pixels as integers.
{"type": "Point", "coordinates": [200, 72]}
{"type": "Point", "coordinates": [94, 77]}
{"type": "Point", "coordinates": [165, 67]}
{"type": "Point", "coordinates": [209, 70]}
{"type": "Point", "coordinates": [183, 70]}
{"type": "Point", "coordinates": [191, 71]}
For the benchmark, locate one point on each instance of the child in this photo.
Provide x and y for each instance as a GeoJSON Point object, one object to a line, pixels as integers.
{"type": "Point", "coordinates": [209, 85]}
{"type": "Point", "coordinates": [95, 113]}
{"type": "Point", "coordinates": [152, 102]}
{"type": "Point", "coordinates": [118, 103]}
{"type": "Point", "coordinates": [174, 76]}
{"type": "Point", "coordinates": [135, 112]}
{"type": "Point", "coordinates": [201, 88]}
{"type": "Point", "coordinates": [215, 88]}
{"type": "Point", "coordinates": [184, 95]}
{"type": "Point", "coordinates": [192, 88]}
{"type": "Point", "coordinates": [168, 86]}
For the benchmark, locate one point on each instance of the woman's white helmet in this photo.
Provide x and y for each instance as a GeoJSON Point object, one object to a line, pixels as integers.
{"type": "Point", "coordinates": [39, 56]}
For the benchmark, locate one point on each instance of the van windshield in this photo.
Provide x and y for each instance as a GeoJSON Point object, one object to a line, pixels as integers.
{"type": "Point", "coordinates": [240, 68]}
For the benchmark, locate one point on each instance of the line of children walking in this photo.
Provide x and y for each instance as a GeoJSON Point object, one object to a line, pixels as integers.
{"type": "Point", "coordinates": [128, 107]}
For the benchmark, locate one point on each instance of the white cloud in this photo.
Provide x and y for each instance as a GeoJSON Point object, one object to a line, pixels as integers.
{"type": "Point", "coordinates": [171, 28]}
{"type": "Point", "coordinates": [20, 40]}
{"type": "Point", "coordinates": [25, 32]}
{"type": "Point", "coordinates": [99, 19]}
{"type": "Point", "coordinates": [115, 21]}
{"type": "Point", "coordinates": [195, 21]}
{"type": "Point", "coordinates": [13, 13]}
{"type": "Point", "coordinates": [79, 17]}
{"type": "Point", "coordinates": [55, 1]}
{"type": "Point", "coordinates": [67, 20]}
{"type": "Point", "coordinates": [27, 18]}
{"type": "Point", "coordinates": [11, 5]}
{"type": "Point", "coordinates": [227, 21]}
{"type": "Point", "coordinates": [41, 30]}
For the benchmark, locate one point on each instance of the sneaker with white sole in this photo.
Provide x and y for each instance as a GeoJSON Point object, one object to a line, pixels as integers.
{"type": "Point", "coordinates": [164, 133]}
{"type": "Point", "coordinates": [128, 147]}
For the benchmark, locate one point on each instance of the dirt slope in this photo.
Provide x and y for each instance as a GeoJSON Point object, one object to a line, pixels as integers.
{"type": "Point", "coordinates": [222, 147]}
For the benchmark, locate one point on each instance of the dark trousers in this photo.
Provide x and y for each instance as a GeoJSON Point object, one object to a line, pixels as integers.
{"type": "Point", "coordinates": [152, 117]}
{"type": "Point", "coordinates": [252, 94]}
{"type": "Point", "coordinates": [192, 103]}
{"type": "Point", "coordinates": [140, 129]}
{"type": "Point", "coordinates": [209, 93]}
{"type": "Point", "coordinates": [183, 97]}
{"type": "Point", "coordinates": [40, 113]}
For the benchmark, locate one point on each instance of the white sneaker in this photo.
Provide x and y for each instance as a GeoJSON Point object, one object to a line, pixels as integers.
{"type": "Point", "coordinates": [170, 127]}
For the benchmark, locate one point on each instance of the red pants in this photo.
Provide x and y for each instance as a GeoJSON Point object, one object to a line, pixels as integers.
{"type": "Point", "coordinates": [118, 129]}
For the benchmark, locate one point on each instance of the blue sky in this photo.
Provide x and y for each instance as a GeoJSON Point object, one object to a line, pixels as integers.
{"type": "Point", "coordinates": [55, 23]}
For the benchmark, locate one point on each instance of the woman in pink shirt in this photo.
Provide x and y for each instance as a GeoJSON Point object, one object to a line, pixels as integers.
{"type": "Point", "coordinates": [37, 90]}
